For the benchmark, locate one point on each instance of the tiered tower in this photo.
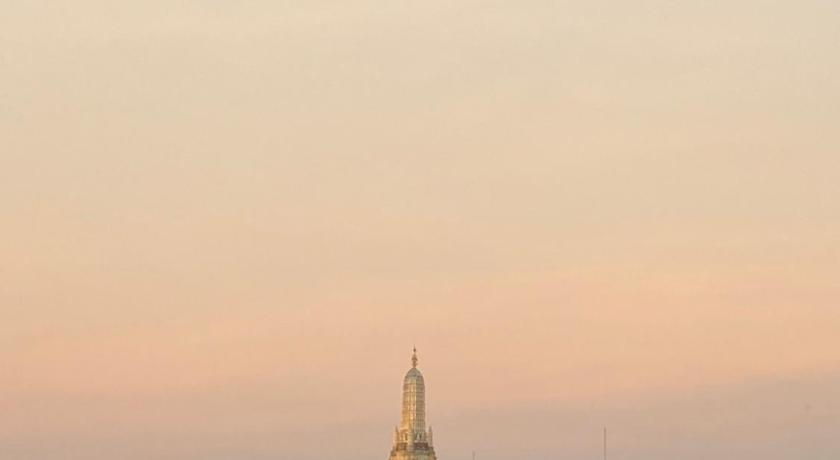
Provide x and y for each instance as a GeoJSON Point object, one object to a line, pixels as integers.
{"type": "Point", "coordinates": [411, 440]}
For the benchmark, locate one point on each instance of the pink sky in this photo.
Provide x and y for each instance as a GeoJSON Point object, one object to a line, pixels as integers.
{"type": "Point", "coordinates": [225, 224]}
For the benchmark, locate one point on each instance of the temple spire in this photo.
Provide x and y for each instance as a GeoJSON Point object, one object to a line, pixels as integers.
{"type": "Point", "coordinates": [412, 441]}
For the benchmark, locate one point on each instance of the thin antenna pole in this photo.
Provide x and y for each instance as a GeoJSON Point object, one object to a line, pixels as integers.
{"type": "Point", "coordinates": [605, 443]}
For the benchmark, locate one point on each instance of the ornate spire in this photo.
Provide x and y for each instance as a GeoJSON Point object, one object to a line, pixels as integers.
{"type": "Point", "coordinates": [412, 441]}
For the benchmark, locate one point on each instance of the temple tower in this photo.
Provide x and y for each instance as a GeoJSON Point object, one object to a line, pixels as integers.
{"type": "Point", "coordinates": [411, 440]}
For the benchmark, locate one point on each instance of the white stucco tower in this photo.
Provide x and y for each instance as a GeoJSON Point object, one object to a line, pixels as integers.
{"type": "Point", "coordinates": [411, 439]}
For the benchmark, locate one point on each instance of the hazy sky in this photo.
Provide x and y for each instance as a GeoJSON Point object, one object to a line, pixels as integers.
{"type": "Point", "coordinates": [225, 224]}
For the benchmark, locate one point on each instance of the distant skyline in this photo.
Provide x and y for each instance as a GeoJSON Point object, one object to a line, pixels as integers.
{"type": "Point", "coordinates": [225, 223]}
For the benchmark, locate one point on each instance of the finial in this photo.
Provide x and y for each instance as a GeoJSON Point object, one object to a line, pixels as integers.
{"type": "Point", "coordinates": [414, 358]}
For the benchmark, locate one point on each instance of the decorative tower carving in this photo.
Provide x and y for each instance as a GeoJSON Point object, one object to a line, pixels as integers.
{"type": "Point", "coordinates": [411, 440]}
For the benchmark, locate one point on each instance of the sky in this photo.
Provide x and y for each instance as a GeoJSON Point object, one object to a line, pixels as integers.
{"type": "Point", "coordinates": [224, 225]}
